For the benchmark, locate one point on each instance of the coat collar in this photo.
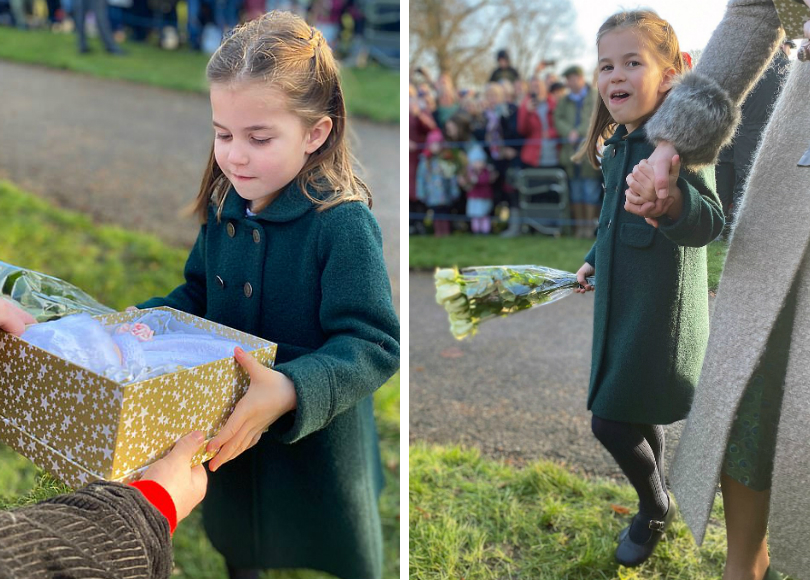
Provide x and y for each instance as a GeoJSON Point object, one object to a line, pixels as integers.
{"type": "Point", "coordinates": [291, 204]}
{"type": "Point", "coordinates": [621, 135]}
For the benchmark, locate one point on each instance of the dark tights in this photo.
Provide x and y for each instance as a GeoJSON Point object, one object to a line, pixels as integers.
{"type": "Point", "coordinates": [639, 451]}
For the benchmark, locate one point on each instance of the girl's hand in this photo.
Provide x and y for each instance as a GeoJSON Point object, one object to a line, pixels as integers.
{"type": "Point", "coordinates": [643, 182]}
{"type": "Point", "coordinates": [641, 198]}
{"type": "Point", "coordinates": [269, 396]}
{"type": "Point", "coordinates": [13, 319]}
{"type": "Point", "coordinates": [584, 272]}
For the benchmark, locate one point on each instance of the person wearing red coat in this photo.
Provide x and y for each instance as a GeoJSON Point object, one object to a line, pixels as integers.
{"type": "Point", "coordinates": [536, 123]}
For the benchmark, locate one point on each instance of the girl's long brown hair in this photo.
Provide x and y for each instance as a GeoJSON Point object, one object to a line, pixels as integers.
{"type": "Point", "coordinates": [660, 37]}
{"type": "Point", "coordinates": [282, 51]}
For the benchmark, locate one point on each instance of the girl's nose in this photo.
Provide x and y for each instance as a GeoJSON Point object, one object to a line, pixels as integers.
{"type": "Point", "coordinates": [237, 155]}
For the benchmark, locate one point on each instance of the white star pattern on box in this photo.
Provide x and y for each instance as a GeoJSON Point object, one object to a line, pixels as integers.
{"type": "Point", "coordinates": [73, 423]}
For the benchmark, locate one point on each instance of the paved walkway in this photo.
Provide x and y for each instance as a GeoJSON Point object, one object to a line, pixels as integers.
{"type": "Point", "coordinates": [516, 390]}
{"type": "Point", "coordinates": [133, 155]}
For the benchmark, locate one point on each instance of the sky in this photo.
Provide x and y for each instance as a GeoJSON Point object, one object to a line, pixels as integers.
{"type": "Point", "coordinates": [693, 21]}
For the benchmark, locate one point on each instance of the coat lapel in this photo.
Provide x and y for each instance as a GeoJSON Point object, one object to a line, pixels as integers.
{"type": "Point", "coordinates": [767, 247]}
{"type": "Point", "coordinates": [789, 528]}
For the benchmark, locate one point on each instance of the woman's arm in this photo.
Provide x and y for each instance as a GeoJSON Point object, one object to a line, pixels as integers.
{"type": "Point", "coordinates": [700, 114]}
{"type": "Point", "coordinates": [106, 530]}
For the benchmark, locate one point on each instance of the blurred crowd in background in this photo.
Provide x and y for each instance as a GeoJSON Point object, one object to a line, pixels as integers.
{"type": "Point", "coordinates": [497, 159]}
{"type": "Point", "coordinates": [356, 29]}
{"type": "Point", "coordinates": [472, 151]}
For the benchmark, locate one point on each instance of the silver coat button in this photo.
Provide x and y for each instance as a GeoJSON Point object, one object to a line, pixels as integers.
{"type": "Point", "coordinates": [231, 230]}
{"type": "Point", "coordinates": [257, 237]}
{"type": "Point", "coordinates": [221, 282]}
{"type": "Point", "coordinates": [248, 289]}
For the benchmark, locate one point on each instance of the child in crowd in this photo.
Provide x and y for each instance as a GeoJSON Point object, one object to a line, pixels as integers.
{"type": "Point", "coordinates": [651, 318]}
{"type": "Point", "coordinates": [437, 182]}
{"type": "Point", "coordinates": [477, 180]}
{"type": "Point", "coordinates": [289, 251]}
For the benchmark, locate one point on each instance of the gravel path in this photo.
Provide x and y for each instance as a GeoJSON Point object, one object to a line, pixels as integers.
{"type": "Point", "coordinates": [517, 390]}
{"type": "Point", "coordinates": [133, 155]}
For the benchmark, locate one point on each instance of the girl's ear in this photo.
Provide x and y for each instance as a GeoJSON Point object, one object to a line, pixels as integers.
{"type": "Point", "coordinates": [318, 134]}
{"type": "Point", "coordinates": [667, 79]}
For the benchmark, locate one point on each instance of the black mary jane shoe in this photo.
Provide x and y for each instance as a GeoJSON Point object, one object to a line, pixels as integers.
{"type": "Point", "coordinates": [629, 553]}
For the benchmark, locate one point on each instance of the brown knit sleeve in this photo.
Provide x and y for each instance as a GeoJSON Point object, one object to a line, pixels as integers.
{"type": "Point", "coordinates": [106, 530]}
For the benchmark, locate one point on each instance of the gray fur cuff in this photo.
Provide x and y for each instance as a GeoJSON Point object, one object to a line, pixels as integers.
{"type": "Point", "coordinates": [697, 117]}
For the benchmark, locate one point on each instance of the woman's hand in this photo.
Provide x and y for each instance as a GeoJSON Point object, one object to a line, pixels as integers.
{"type": "Point", "coordinates": [174, 473]}
{"type": "Point", "coordinates": [13, 319]}
{"type": "Point", "coordinates": [643, 196]}
{"type": "Point", "coordinates": [661, 161]}
{"type": "Point", "coordinates": [269, 396]}
{"type": "Point", "coordinates": [584, 272]}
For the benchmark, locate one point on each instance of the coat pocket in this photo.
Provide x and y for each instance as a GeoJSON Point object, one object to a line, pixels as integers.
{"type": "Point", "coordinates": [637, 235]}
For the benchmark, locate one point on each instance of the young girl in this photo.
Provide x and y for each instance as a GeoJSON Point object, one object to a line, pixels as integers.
{"type": "Point", "coordinates": [289, 251]}
{"type": "Point", "coordinates": [651, 306]}
{"type": "Point", "coordinates": [437, 180]}
{"type": "Point", "coordinates": [477, 179]}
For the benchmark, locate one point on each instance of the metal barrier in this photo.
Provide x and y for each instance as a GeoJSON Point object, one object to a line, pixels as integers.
{"type": "Point", "coordinates": [543, 199]}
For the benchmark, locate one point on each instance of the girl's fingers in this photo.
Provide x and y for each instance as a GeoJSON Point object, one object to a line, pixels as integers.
{"type": "Point", "coordinates": [228, 431]}
{"type": "Point", "coordinates": [633, 198]}
{"type": "Point", "coordinates": [234, 447]}
{"type": "Point", "coordinates": [645, 183]}
{"type": "Point", "coordinates": [255, 440]}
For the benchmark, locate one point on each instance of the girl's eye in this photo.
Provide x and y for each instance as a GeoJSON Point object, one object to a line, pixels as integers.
{"type": "Point", "coordinates": [261, 141]}
{"type": "Point", "coordinates": [606, 67]}
{"type": "Point", "coordinates": [634, 63]}
{"type": "Point", "coordinates": [223, 136]}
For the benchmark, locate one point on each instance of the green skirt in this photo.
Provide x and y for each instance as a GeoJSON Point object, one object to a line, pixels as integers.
{"type": "Point", "coordinates": [752, 442]}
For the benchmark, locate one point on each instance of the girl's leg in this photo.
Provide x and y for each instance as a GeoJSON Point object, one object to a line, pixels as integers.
{"type": "Point", "coordinates": [486, 226]}
{"type": "Point", "coordinates": [654, 434]}
{"type": "Point", "coordinates": [635, 456]}
{"type": "Point", "coordinates": [476, 225]}
{"type": "Point", "coordinates": [746, 526]}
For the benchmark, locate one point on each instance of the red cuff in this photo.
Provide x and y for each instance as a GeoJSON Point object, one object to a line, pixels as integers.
{"type": "Point", "coordinates": [160, 498]}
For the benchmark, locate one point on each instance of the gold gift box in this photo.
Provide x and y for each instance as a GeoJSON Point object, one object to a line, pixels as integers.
{"type": "Point", "coordinates": [81, 426]}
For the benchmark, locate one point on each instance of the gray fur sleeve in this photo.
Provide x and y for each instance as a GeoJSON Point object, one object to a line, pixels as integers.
{"type": "Point", "coordinates": [700, 114]}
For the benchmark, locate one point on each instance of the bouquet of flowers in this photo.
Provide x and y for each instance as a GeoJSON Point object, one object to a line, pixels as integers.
{"type": "Point", "coordinates": [472, 295]}
{"type": "Point", "coordinates": [45, 297]}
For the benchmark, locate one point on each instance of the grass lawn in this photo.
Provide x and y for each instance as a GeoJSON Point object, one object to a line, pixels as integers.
{"type": "Point", "coordinates": [120, 268]}
{"type": "Point", "coordinates": [480, 519]}
{"type": "Point", "coordinates": [371, 92]}
{"type": "Point", "coordinates": [463, 250]}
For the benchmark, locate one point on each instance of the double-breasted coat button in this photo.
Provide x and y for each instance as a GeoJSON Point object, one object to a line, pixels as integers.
{"type": "Point", "coordinates": [221, 282]}
{"type": "Point", "coordinates": [257, 237]}
{"type": "Point", "coordinates": [614, 152]}
{"type": "Point", "coordinates": [609, 222]}
{"type": "Point", "coordinates": [231, 230]}
{"type": "Point", "coordinates": [248, 289]}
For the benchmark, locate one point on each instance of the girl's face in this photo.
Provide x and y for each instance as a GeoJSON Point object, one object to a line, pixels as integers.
{"type": "Point", "coordinates": [259, 144]}
{"type": "Point", "coordinates": [631, 80]}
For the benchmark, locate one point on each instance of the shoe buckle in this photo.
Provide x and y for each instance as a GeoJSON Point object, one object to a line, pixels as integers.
{"type": "Point", "coordinates": [657, 525]}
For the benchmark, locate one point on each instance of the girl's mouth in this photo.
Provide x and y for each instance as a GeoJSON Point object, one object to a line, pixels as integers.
{"type": "Point", "coordinates": [618, 97]}
{"type": "Point", "coordinates": [242, 177]}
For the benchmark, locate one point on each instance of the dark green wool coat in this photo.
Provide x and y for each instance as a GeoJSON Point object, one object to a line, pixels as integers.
{"type": "Point", "coordinates": [306, 496]}
{"type": "Point", "coordinates": [651, 311]}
